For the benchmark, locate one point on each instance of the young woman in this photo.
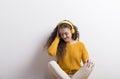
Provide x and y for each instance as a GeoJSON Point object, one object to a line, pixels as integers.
{"type": "Point", "coordinates": [70, 52]}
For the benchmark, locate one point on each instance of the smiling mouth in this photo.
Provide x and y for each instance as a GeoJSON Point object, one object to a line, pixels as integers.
{"type": "Point", "coordinates": [64, 38]}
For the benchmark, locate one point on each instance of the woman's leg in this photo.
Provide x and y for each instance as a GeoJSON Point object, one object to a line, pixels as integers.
{"type": "Point", "coordinates": [83, 72]}
{"type": "Point", "coordinates": [57, 71]}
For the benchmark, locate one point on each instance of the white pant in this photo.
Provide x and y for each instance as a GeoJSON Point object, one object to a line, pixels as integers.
{"type": "Point", "coordinates": [82, 73]}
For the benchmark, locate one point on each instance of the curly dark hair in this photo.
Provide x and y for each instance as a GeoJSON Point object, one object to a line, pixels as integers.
{"type": "Point", "coordinates": [62, 44]}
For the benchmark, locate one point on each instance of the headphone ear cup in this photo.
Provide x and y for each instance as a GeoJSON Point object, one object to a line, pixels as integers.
{"type": "Point", "coordinates": [73, 31]}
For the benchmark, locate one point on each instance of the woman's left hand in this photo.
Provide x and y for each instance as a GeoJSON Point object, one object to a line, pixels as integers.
{"type": "Point", "coordinates": [89, 63]}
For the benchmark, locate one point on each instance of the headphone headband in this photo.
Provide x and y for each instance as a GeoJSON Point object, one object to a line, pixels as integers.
{"type": "Point", "coordinates": [69, 23]}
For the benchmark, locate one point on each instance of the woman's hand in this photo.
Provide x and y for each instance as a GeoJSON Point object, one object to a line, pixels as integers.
{"type": "Point", "coordinates": [58, 35]}
{"type": "Point", "coordinates": [89, 63]}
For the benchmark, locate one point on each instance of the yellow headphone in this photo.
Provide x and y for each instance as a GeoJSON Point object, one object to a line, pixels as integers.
{"type": "Point", "coordinates": [67, 22]}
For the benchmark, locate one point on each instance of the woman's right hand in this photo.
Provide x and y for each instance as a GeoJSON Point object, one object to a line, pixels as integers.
{"type": "Point", "coordinates": [58, 35]}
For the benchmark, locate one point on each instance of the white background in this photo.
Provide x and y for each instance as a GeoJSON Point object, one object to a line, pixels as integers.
{"type": "Point", "coordinates": [26, 24]}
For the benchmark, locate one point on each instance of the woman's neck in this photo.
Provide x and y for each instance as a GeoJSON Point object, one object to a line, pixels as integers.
{"type": "Point", "coordinates": [72, 41]}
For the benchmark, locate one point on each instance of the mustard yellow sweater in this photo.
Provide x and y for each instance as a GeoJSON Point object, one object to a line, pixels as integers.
{"type": "Point", "coordinates": [75, 53]}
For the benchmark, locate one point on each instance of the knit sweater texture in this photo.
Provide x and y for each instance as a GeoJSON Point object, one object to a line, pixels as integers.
{"type": "Point", "coordinates": [74, 55]}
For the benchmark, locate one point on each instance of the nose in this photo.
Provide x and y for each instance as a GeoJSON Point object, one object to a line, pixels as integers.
{"type": "Point", "coordinates": [64, 36]}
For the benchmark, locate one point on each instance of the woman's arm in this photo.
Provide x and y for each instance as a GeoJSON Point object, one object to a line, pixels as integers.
{"type": "Point", "coordinates": [85, 55]}
{"type": "Point", "coordinates": [52, 50]}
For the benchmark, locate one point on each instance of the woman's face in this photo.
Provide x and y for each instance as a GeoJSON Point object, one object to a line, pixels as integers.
{"type": "Point", "coordinates": [65, 34]}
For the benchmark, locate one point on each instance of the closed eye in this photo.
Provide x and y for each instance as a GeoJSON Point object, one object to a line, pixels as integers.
{"type": "Point", "coordinates": [66, 33]}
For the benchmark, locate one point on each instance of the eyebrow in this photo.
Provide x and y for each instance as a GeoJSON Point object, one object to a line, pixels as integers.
{"type": "Point", "coordinates": [64, 33]}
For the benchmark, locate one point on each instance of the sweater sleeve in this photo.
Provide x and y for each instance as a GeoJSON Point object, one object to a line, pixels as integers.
{"type": "Point", "coordinates": [52, 50]}
{"type": "Point", "coordinates": [85, 55]}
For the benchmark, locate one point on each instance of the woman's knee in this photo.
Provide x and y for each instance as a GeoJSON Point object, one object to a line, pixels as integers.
{"type": "Point", "coordinates": [51, 63]}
